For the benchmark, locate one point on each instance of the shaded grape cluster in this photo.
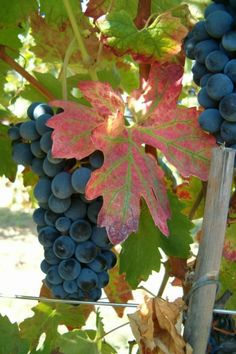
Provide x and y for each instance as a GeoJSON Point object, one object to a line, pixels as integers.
{"type": "Point", "coordinates": [212, 45]}
{"type": "Point", "coordinates": [77, 253]}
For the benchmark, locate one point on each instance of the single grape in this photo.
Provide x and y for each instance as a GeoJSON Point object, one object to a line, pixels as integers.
{"type": "Point", "coordinates": [204, 79]}
{"type": "Point", "coordinates": [228, 132]}
{"type": "Point", "coordinates": [22, 154]}
{"type": "Point", "coordinates": [53, 276]}
{"type": "Point", "coordinates": [28, 131]}
{"type": "Point", "coordinates": [100, 238]}
{"type": "Point", "coordinates": [110, 258]}
{"type": "Point", "coordinates": [210, 120]}
{"type": "Point", "coordinates": [46, 142]}
{"type": "Point", "coordinates": [216, 61]}
{"type": "Point", "coordinates": [64, 247]}
{"type": "Point", "coordinates": [63, 224]}
{"type": "Point", "coordinates": [79, 179]}
{"type": "Point", "coordinates": [59, 205]}
{"type": "Point", "coordinates": [44, 266]}
{"type": "Point", "coordinates": [230, 70]}
{"type": "Point", "coordinates": [58, 291]}
{"type": "Point", "coordinates": [47, 236]}
{"type": "Point", "coordinates": [14, 133]}
{"type": "Point", "coordinates": [77, 209]}
{"type": "Point", "coordinates": [51, 169]}
{"type": "Point", "coordinates": [87, 279]}
{"type": "Point", "coordinates": [218, 23]}
{"type": "Point", "coordinates": [42, 190]}
{"type": "Point", "coordinates": [69, 269]}
{"type": "Point", "coordinates": [50, 256]}
{"type": "Point", "coordinates": [40, 124]}
{"type": "Point", "coordinates": [36, 149]}
{"type": "Point", "coordinates": [229, 41]}
{"type": "Point", "coordinates": [199, 70]}
{"type": "Point", "coordinates": [80, 230]}
{"type": "Point", "coordinates": [227, 107]}
{"type": "Point", "coordinates": [86, 252]}
{"type": "Point", "coordinates": [203, 48]}
{"type": "Point", "coordinates": [103, 279]}
{"type": "Point", "coordinates": [70, 286]}
{"type": "Point", "coordinates": [93, 210]}
{"type": "Point", "coordinates": [218, 86]}
{"type": "Point", "coordinates": [199, 31]}
{"type": "Point", "coordinates": [52, 159]}
{"type": "Point", "coordinates": [99, 264]}
{"type": "Point", "coordinates": [96, 159]}
{"type": "Point", "coordinates": [189, 46]}
{"type": "Point", "coordinates": [37, 166]}
{"type": "Point", "coordinates": [50, 217]}
{"type": "Point", "coordinates": [38, 108]}
{"type": "Point", "coordinates": [205, 100]}
{"type": "Point", "coordinates": [212, 8]}
{"type": "Point", "coordinates": [38, 216]}
{"type": "Point", "coordinates": [61, 185]}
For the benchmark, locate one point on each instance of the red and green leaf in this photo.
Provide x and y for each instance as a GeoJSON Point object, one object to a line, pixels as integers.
{"type": "Point", "coordinates": [118, 289]}
{"type": "Point", "coordinates": [159, 41]}
{"type": "Point", "coordinates": [128, 172]}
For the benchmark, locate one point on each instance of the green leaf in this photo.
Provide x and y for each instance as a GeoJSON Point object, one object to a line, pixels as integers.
{"type": "Point", "coordinates": [77, 342]}
{"type": "Point", "coordinates": [97, 8]}
{"type": "Point", "coordinates": [7, 166]}
{"type": "Point", "coordinates": [9, 37]}
{"type": "Point", "coordinates": [29, 177]}
{"type": "Point", "coordinates": [228, 281]}
{"type": "Point", "coordinates": [12, 12]}
{"type": "Point", "coordinates": [10, 340]}
{"type": "Point", "coordinates": [54, 10]}
{"type": "Point", "coordinates": [140, 255]}
{"type": "Point", "coordinates": [159, 41]}
{"type": "Point", "coordinates": [178, 242]}
{"type": "Point", "coordinates": [46, 319]}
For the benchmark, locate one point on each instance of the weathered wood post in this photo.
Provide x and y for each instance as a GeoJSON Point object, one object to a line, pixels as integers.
{"type": "Point", "coordinates": [201, 302]}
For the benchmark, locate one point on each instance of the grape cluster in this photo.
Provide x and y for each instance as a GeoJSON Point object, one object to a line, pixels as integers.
{"type": "Point", "coordinates": [222, 338]}
{"type": "Point", "coordinates": [212, 45]}
{"type": "Point", "coordinates": [77, 253]}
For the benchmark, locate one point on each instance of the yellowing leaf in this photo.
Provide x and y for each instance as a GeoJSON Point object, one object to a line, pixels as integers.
{"type": "Point", "coordinates": [156, 326]}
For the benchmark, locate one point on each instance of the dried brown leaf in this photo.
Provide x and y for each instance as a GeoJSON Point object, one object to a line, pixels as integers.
{"type": "Point", "coordinates": [157, 325]}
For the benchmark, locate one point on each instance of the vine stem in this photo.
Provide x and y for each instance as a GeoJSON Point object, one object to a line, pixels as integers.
{"type": "Point", "coordinates": [198, 200]}
{"type": "Point", "coordinates": [112, 330]}
{"type": "Point", "coordinates": [87, 60]}
{"type": "Point", "coordinates": [164, 280]}
{"type": "Point", "coordinates": [68, 54]}
{"type": "Point", "coordinates": [15, 66]}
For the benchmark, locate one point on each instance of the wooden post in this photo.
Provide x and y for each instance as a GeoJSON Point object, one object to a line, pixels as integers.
{"type": "Point", "coordinates": [201, 302]}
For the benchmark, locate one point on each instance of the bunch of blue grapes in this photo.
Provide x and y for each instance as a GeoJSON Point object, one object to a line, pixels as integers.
{"type": "Point", "coordinates": [212, 45]}
{"type": "Point", "coordinates": [77, 253]}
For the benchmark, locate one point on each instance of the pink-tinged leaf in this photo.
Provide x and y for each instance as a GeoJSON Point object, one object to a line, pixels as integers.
{"type": "Point", "coordinates": [170, 128]}
{"type": "Point", "coordinates": [103, 99]}
{"type": "Point", "coordinates": [74, 126]}
{"type": "Point", "coordinates": [128, 173]}
{"type": "Point", "coordinates": [72, 130]}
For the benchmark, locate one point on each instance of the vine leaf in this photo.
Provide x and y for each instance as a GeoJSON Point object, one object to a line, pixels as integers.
{"type": "Point", "coordinates": [188, 192]}
{"type": "Point", "coordinates": [129, 173]}
{"type": "Point", "coordinates": [154, 326]}
{"type": "Point", "coordinates": [159, 41]}
{"type": "Point", "coordinates": [7, 166]}
{"type": "Point", "coordinates": [140, 255]}
{"type": "Point", "coordinates": [97, 8]}
{"type": "Point", "coordinates": [229, 251]}
{"type": "Point", "coordinates": [118, 289]}
{"type": "Point", "coordinates": [169, 127]}
{"type": "Point", "coordinates": [10, 340]}
{"type": "Point", "coordinates": [46, 319]}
